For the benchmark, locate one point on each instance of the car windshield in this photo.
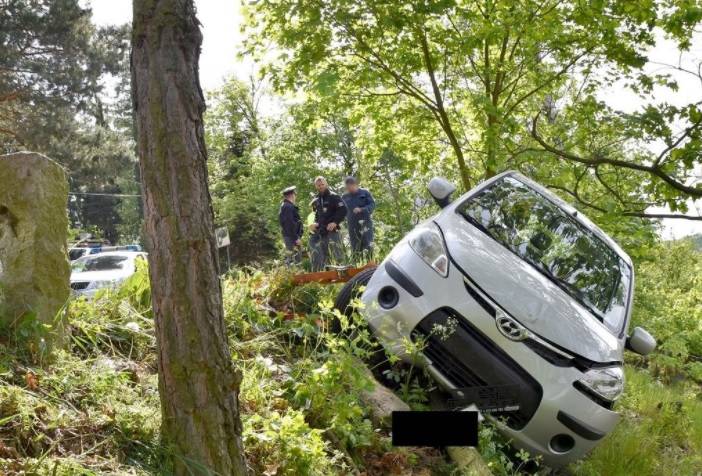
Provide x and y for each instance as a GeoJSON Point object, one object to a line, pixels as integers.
{"type": "Point", "coordinates": [101, 263]}
{"type": "Point", "coordinates": [556, 244]}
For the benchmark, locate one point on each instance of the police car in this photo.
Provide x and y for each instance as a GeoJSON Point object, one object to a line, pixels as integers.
{"type": "Point", "coordinates": [91, 273]}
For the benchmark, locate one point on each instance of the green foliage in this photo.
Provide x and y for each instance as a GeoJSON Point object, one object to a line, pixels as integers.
{"type": "Point", "coordinates": [668, 296]}
{"type": "Point", "coordinates": [52, 56]}
{"type": "Point", "coordinates": [233, 138]}
{"type": "Point", "coordinates": [101, 161]}
{"type": "Point", "coordinates": [301, 392]}
{"type": "Point", "coordinates": [284, 294]}
{"type": "Point", "coordinates": [331, 392]}
{"type": "Point", "coordinates": [277, 438]}
{"type": "Point", "coordinates": [252, 158]}
{"type": "Point", "coordinates": [660, 432]}
{"type": "Point", "coordinates": [31, 336]}
{"type": "Point", "coordinates": [53, 100]}
{"type": "Point", "coordinates": [117, 322]}
{"type": "Point", "coordinates": [287, 444]}
{"type": "Point", "coordinates": [94, 409]}
{"type": "Point", "coordinates": [497, 85]}
{"type": "Point", "coordinates": [496, 452]}
{"type": "Point", "coordinates": [78, 416]}
{"type": "Point", "coordinates": [393, 93]}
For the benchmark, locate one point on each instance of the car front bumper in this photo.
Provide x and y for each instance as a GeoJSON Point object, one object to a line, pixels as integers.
{"type": "Point", "coordinates": [561, 409]}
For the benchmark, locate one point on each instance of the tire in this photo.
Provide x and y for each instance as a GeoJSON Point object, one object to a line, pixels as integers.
{"type": "Point", "coordinates": [349, 292]}
{"type": "Point", "coordinates": [377, 360]}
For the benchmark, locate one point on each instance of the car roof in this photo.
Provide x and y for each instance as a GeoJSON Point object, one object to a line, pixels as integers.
{"type": "Point", "coordinates": [128, 254]}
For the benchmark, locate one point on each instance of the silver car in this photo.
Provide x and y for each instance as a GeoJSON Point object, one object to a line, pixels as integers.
{"type": "Point", "coordinates": [521, 305]}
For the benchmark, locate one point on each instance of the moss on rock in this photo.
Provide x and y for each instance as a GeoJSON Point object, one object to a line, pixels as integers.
{"type": "Point", "coordinates": [34, 269]}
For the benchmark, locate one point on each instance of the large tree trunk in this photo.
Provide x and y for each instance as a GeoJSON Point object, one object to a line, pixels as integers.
{"type": "Point", "coordinates": [198, 382]}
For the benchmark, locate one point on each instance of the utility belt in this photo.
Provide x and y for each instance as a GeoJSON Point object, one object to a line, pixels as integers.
{"type": "Point", "coordinates": [322, 230]}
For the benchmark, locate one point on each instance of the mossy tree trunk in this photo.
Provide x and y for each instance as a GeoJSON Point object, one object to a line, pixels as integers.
{"type": "Point", "coordinates": [198, 382]}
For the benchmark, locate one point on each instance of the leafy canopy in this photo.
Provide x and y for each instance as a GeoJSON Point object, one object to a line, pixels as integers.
{"type": "Point", "coordinates": [486, 76]}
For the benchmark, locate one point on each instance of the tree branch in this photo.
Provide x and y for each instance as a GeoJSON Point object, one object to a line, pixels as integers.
{"type": "Point", "coordinates": [555, 76]}
{"type": "Point", "coordinates": [638, 214]}
{"type": "Point", "coordinates": [686, 133]}
{"type": "Point", "coordinates": [653, 170]}
{"type": "Point", "coordinates": [441, 111]}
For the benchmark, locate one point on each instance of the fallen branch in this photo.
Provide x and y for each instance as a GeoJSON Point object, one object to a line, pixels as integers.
{"type": "Point", "coordinates": [381, 401]}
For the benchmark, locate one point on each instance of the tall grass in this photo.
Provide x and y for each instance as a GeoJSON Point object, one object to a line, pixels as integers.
{"type": "Point", "coordinates": [660, 432]}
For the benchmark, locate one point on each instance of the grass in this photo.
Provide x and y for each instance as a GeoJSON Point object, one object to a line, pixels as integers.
{"type": "Point", "coordinates": [660, 432]}
{"type": "Point", "coordinates": [90, 409]}
{"type": "Point", "coordinates": [94, 413]}
{"type": "Point", "coordinates": [94, 407]}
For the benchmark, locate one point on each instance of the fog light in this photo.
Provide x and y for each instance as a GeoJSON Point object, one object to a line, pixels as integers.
{"type": "Point", "coordinates": [562, 443]}
{"type": "Point", "coordinates": [388, 297]}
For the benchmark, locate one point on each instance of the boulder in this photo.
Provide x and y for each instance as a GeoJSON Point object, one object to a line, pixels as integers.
{"type": "Point", "coordinates": [34, 268]}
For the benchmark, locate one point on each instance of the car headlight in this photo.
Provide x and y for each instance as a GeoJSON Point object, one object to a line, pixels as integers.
{"type": "Point", "coordinates": [607, 382]}
{"type": "Point", "coordinates": [428, 243]}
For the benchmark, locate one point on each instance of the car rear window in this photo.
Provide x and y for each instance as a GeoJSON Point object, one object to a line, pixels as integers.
{"type": "Point", "coordinates": [551, 240]}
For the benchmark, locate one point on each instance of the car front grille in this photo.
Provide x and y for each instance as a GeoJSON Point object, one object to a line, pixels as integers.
{"type": "Point", "coordinates": [450, 367]}
{"type": "Point", "coordinates": [78, 285]}
{"type": "Point", "coordinates": [467, 358]}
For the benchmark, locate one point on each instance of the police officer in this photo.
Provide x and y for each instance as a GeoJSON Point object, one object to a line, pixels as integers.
{"type": "Point", "coordinates": [330, 211]}
{"type": "Point", "coordinates": [359, 208]}
{"type": "Point", "coordinates": [291, 225]}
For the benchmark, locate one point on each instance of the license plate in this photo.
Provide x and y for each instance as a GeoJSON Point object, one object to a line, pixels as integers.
{"type": "Point", "coordinates": [490, 398]}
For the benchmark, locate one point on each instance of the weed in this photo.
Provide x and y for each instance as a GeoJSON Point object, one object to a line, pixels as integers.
{"type": "Point", "coordinates": [94, 408]}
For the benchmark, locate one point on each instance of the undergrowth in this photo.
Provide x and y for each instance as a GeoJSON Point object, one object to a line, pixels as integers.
{"type": "Point", "coordinates": [93, 408]}
{"type": "Point", "coordinates": [660, 431]}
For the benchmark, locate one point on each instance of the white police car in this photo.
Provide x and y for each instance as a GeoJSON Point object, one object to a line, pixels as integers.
{"type": "Point", "coordinates": [103, 270]}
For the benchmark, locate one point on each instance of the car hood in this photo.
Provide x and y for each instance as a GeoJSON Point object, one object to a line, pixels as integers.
{"type": "Point", "coordinates": [107, 275]}
{"type": "Point", "coordinates": [526, 294]}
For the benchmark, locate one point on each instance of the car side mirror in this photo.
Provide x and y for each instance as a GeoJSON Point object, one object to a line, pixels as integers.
{"type": "Point", "coordinates": [441, 189]}
{"type": "Point", "coordinates": [640, 341]}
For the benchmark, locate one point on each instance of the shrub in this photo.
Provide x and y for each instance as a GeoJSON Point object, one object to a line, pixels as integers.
{"type": "Point", "coordinates": [668, 296]}
{"type": "Point", "coordinates": [119, 321]}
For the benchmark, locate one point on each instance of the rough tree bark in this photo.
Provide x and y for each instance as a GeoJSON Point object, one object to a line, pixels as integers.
{"type": "Point", "coordinates": [198, 382]}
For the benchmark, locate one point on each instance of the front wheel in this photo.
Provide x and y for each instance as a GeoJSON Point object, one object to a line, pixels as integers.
{"type": "Point", "coordinates": [376, 359]}
{"type": "Point", "coordinates": [349, 292]}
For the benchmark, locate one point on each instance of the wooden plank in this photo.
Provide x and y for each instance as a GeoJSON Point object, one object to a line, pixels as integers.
{"type": "Point", "coordinates": [329, 277]}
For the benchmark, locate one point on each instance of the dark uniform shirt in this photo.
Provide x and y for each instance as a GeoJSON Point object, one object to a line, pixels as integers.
{"type": "Point", "coordinates": [290, 222]}
{"type": "Point", "coordinates": [330, 208]}
{"type": "Point", "coordinates": [361, 199]}
{"type": "Point", "coordinates": [361, 223]}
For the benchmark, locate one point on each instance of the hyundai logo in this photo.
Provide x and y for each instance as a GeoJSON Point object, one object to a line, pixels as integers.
{"type": "Point", "coordinates": [511, 329]}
